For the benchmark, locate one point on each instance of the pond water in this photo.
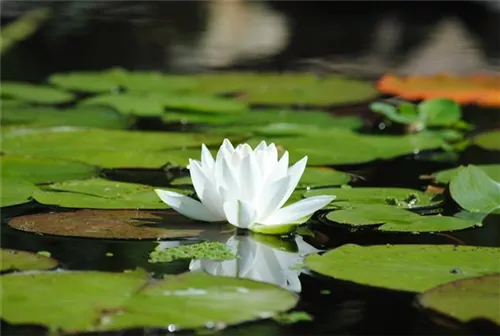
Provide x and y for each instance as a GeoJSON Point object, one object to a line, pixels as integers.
{"type": "Point", "coordinates": [335, 305]}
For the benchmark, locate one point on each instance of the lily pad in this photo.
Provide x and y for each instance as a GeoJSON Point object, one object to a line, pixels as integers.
{"type": "Point", "coordinates": [15, 191]}
{"type": "Point", "coordinates": [474, 190]}
{"type": "Point", "coordinates": [99, 193]}
{"type": "Point", "coordinates": [106, 148]}
{"type": "Point", "coordinates": [154, 104]}
{"type": "Point", "coordinates": [112, 224]}
{"type": "Point", "coordinates": [214, 251]}
{"type": "Point", "coordinates": [88, 116]}
{"type": "Point", "coordinates": [466, 299]}
{"type": "Point", "coordinates": [387, 218]}
{"type": "Point", "coordinates": [445, 176]}
{"type": "Point", "coordinates": [42, 170]}
{"type": "Point", "coordinates": [344, 147]}
{"type": "Point", "coordinates": [413, 268]}
{"type": "Point", "coordinates": [488, 140]}
{"type": "Point", "coordinates": [40, 94]}
{"type": "Point", "coordinates": [276, 89]}
{"type": "Point", "coordinates": [15, 260]}
{"type": "Point", "coordinates": [103, 301]}
{"type": "Point", "coordinates": [398, 197]}
{"type": "Point", "coordinates": [117, 78]}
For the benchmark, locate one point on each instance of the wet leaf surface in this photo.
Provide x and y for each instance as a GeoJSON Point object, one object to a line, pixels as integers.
{"type": "Point", "coordinates": [112, 301]}
{"type": "Point", "coordinates": [15, 191]}
{"type": "Point", "coordinates": [474, 190]}
{"type": "Point", "coordinates": [388, 218]}
{"type": "Point", "coordinates": [398, 197]}
{"type": "Point", "coordinates": [16, 260]}
{"type": "Point", "coordinates": [42, 170]}
{"type": "Point", "coordinates": [113, 224]}
{"type": "Point", "coordinates": [99, 193]}
{"type": "Point", "coordinates": [35, 93]}
{"type": "Point", "coordinates": [413, 268]}
{"type": "Point", "coordinates": [466, 299]}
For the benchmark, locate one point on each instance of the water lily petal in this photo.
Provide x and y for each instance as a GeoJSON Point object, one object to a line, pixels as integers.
{"type": "Point", "coordinates": [279, 171]}
{"type": "Point", "coordinates": [239, 213]}
{"type": "Point", "coordinates": [261, 146]}
{"type": "Point", "coordinates": [231, 184]}
{"type": "Point", "coordinates": [207, 160]}
{"type": "Point", "coordinates": [297, 211]}
{"type": "Point", "coordinates": [187, 206]}
{"type": "Point", "coordinates": [198, 178]}
{"type": "Point", "coordinates": [295, 172]}
{"type": "Point", "coordinates": [250, 178]}
{"type": "Point", "coordinates": [271, 196]}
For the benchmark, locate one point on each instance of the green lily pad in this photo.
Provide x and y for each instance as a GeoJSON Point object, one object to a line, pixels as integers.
{"type": "Point", "coordinates": [117, 78]}
{"type": "Point", "coordinates": [336, 147]}
{"type": "Point", "coordinates": [35, 93]}
{"type": "Point", "coordinates": [155, 104]}
{"type": "Point", "coordinates": [439, 112]}
{"type": "Point", "coordinates": [112, 224]}
{"type": "Point", "coordinates": [474, 190]}
{"type": "Point", "coordinates": [103, 301]}
{"type": "Point", "coordinates": [387, 218]}
{"type": "Point", "coordinates": [466, 299]}
{"type": "Point", "coordinates": [285, 89]}
{"type": "Point", "coordinates": [405, 113]}
{"type": "Point", "coordinates": [489, 140]}
{"type": "Point", "coordinates": [99, 193]}
{"type": "Point", "coordinates": [445, 176]}
{"type": "Point", "coordinates": [106, 148]}
{"type": "Point", "coordinates": [15, 191]}
{"type": "Point", "coordinates": [398, 197]}
{"type": "Point", "coordinates": [42, 170]}
{"type": "Point", "coordinates": [88, 116]}
{"type": "Point", "coordinates": [413, 268]}
{"type": "Point", "coordinates": [15, 260]}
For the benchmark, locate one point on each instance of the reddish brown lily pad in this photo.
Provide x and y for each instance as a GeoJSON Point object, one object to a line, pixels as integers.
{"type": "Point", "coordinates": [483, 90]}
{"type": "Point", "coordinates": [113, 224]}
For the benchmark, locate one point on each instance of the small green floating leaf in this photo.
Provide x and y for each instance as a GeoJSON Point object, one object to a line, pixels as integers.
{"type": "Point", "coordinates": [313, 177]}
{"type": "Point", "coordinates": [413, 268]}
{"type": "Point", "coordinates": [398, 197]}
{"type": "Point", "coordinates": [474, 190]}
{"type": "Point", "coordinates": [293, 317]}
{"type": "Point", "coordinates": [15, 191]}
{"type": "Point", "coordinates": [445, 176]}
{"type": "Point", "coordinates": [215, 251]}
{"type": "Point", "coordinates": [439, 112]}
{"type": "Point", "coordinates": [489, 140]}
{"type": "Point", "coordinates": [15, 260]}
{"type": "Point", "coordinates": [35, 93]}
{"type": "Point", "coordinates": [146, 105]}
{"type": "Point", "coordinates": [466, 299]}
{"type": "Point", "coordinates": [112, 301]}
{"type": "Point", "coordinates": [42, 170]}
{"type": "Point", "coordinates": [112, 224]}
{"type": "Point", "coordinates": [392, 219]}
{"type": "Point", "coordinates": [85, 116]}
{"type": "Point", "coordinates": [392, 113]}
{"type": "Point", "coordinates": [99, 193]}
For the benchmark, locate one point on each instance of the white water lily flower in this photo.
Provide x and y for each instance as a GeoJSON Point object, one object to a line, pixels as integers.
{"type": "Point", "coordinates": [259, 261]}
{"type": "Point", "coordinates": [245, 187]}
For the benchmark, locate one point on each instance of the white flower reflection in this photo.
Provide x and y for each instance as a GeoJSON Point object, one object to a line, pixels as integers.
{"type": "Point", "coordinates": [261, 258]}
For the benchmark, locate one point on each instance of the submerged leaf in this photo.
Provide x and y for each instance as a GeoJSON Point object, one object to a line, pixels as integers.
{"type": "Point", "coordinates": [113, 301]}
{"type": "Point", "coordinates": [413, 268]}
{"type": "Point", "coordinates": [112, 224]}
{"type": "Point", "coordinates": [466, 299]}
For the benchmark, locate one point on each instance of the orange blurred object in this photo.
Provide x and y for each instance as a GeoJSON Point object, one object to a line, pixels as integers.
{"type": "Point", "coordinates": [483, 90]}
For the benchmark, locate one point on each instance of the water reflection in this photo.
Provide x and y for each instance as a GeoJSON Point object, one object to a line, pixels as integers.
{"type": "Point", "coordinates": [262, 258]}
